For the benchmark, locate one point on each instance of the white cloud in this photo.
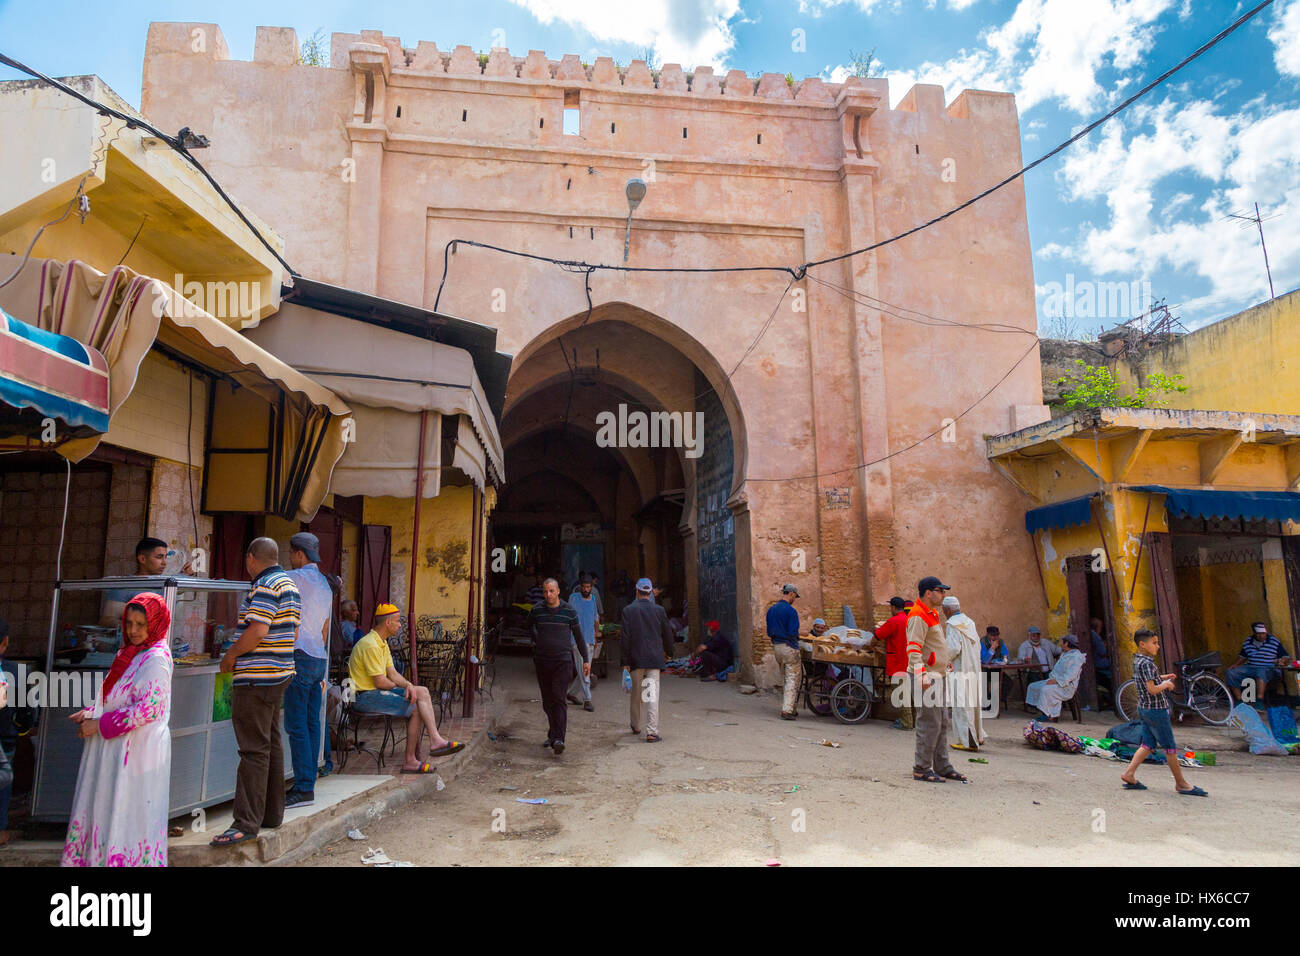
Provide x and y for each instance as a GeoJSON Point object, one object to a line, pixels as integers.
{"type": "Point", "coordinates": [1048, 51]}
{"type": "Point", "coordinates": [690, 32]}
{"type": "Point", "coordinates": [1285, 36]}
{"type": "Point", "coordinates": [1245, 158]}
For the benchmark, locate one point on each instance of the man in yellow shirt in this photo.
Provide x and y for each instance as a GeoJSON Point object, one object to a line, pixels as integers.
{"type": "Point", "coordinates": [379, 689]}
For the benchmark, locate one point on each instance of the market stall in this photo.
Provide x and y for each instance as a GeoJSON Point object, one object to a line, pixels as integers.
{"type": "Point", "coordinates": [80, 650]}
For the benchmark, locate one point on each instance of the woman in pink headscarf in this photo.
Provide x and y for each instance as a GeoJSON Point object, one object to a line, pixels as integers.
{"type": "Point", "coordinates": [119, 813]}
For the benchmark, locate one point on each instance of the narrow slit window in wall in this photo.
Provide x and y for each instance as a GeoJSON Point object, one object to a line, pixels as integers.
{"type": "Point", "coordinates": [572, 113]}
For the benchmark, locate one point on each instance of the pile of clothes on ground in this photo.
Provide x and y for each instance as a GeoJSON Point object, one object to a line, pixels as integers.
{"type": "Point", "coordinates": [1120, 743]}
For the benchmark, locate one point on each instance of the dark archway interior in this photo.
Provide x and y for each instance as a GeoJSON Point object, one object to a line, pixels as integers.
{"type": "Point", "coordinates": [575, 502]}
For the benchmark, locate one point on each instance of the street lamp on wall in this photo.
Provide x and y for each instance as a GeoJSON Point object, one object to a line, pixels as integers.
{"type": "Point", "coordinates": [635, 190]}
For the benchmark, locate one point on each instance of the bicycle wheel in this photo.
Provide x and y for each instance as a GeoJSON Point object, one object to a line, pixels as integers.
{"type": "Point", "coordinates": [1210, 697]}
{"type": "Point", "coordinates": [818, 694]}
{"type": "Point", "coordinates": [1126, 701]}
{"type": "Point", "coordinates": [850, 701]}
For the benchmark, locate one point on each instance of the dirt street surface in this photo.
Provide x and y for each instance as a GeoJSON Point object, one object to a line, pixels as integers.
{"type": "Point", "coordinates": [717, 791]}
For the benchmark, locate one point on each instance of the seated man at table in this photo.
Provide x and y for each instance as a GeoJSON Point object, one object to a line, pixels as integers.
{"type": "Point", "coordinates": [715, 654]}
{"type": "Point", "coordinates": [380, 689]}
{"type": "Point", "coordinates": [1257, 663]}
{"type": "Point", "coordinates": [1038, 651]}
{"type": "Point", "coordinates": [1048, 695]}
{"type": "Point", "coordinates": [992, 648]}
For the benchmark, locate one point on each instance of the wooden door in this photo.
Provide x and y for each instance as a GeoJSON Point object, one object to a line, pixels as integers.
{"type": "Point", "coordinates": [1160, 548]}
{"type": "Point", "coordinates": [1076, 586]}
{"type": "Point", "coordinates": [327, 526]}
{"type": "Point", "coordinates": [376, 550]}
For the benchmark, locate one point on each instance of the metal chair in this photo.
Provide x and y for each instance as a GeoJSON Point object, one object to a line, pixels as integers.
{"type": "Point", "coordinates": [349, 716]}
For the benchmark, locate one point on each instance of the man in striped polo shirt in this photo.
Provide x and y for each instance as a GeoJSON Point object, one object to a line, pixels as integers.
{"type": "Point", "coordinates": [262, 662]}
{"type": "Point", "coordinates": [1257, 662]}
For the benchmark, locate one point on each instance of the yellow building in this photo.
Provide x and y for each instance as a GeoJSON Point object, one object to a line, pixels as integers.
{"type": "Point", "coordinates": [1182, 521]}
{"type": "Point", "coordinates": [1246, 362]}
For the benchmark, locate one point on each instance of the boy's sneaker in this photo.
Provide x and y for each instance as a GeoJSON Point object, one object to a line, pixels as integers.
{"type": "Point", "coordinates": [558, 747]}
{"type": "Point", "coordinates": [296, 798]}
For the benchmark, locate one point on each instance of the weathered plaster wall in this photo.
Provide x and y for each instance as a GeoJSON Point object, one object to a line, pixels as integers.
{"type": "Point", "coordinates": [443, 555]}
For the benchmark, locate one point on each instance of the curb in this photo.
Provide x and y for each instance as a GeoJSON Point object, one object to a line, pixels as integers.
{"type": "Point", "coordinates": [295, 841]}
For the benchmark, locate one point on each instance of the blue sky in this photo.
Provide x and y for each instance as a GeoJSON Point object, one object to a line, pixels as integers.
{"type": "Point", "coordinates": [1143, 202]}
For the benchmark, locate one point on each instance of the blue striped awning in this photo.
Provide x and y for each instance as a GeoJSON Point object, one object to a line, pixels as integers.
{"type": "Point", "coordinates": [1062, 514]}
{"type": "Point", "coordinates": [1250, 505]}
{"type": "Point", "coordinates": [53, 375]}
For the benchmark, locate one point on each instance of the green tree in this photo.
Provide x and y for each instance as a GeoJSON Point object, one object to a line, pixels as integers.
{"type": "Point", "coordinates": [315, 50]}
{"type": "Point", "coordinates": [1095, 387]}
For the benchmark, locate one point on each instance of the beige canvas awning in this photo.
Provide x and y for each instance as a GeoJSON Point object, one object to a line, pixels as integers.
{"type": "Point", "coordinates": [124, 315]}
{"type": "Point", "coordinates": [389, 377]}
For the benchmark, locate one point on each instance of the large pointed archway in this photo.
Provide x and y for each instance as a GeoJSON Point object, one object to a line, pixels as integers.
{"type": "Point", "coordinates": [661, 503]}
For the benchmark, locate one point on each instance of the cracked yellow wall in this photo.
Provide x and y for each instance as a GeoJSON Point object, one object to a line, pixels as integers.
{"type": "Point", "coordinates": [442, 578]}
{"type": "Point", "coordinates": [1121, 517]}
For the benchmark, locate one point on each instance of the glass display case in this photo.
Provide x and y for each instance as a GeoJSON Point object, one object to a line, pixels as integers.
{"type": "Point", "coordinates": [84, 637]}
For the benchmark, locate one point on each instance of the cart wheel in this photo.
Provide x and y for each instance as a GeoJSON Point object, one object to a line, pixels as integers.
{"type": "Point", "coordinates": [850, 701]}
{"type": "Point", "coordinates": [818, 694]}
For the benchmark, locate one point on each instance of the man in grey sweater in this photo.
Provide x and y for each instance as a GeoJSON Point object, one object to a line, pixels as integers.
{"type": "Point", "coordinates": [646, 644]}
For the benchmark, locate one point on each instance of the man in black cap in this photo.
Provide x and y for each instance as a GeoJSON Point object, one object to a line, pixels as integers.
{"type": "Point", "coordinates": [783, 632]}
{"type": "Point", "coordinates": [927, 662]}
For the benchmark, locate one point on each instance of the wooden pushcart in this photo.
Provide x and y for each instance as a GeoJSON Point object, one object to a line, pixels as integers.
{"type": "Point", "coordinates": [839, 678]}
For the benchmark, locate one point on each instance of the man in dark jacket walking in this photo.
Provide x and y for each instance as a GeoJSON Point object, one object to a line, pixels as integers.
{"type": "Point", "coordinates": [646, 644]}
{"type": "Point", "coordinates": [554, 627]}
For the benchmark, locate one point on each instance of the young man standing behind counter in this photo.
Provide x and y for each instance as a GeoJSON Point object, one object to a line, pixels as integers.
{"type": "Point", "coordinates": [262, 661]}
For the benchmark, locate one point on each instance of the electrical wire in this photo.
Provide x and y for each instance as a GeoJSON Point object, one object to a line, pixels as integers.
{"type": "Point", "coordinates": [63, 528]}
{"type": "Point", "coordinates": [173, 141]}
{"type": "Point", "coordinates": [920, 441]}
{"type": "Point", "coordinates": [798, 272]}
{"type": "Point", "coordinates": [27, 256]}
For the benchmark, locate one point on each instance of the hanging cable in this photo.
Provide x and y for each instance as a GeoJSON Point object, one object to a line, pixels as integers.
{"type": "Point", "coordinates": [173, 141]}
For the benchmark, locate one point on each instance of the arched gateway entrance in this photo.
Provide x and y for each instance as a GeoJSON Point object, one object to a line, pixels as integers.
{"type": "Point", "coordinates": [624, 447]}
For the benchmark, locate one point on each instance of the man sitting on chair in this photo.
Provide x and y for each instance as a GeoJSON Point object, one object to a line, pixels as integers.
{"type": "Point", "coordinates": [380, 689]}
{"type": "Point", "coordinates": [1048, 695]}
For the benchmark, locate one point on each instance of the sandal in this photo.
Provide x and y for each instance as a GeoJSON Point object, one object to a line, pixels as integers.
{"type": "Point", "coordinates": [786, 716]}
{"type": "Point", "coordinates": [954, 775]}
{"type": "Point", "coordinates": [231, 837]}
{"type": "Point", "coordinates": [652, 738]}
{"type": "Point", "coordinates": [1134, 785]}
{"type": "Point", "coordinates": [928, 776]}
{"type": "Point", "coordinates": [1194, 792]}
{"type": "Point", "coordinates": [425, 767]}
{"type": "Point", "coordinates": [449, 748]}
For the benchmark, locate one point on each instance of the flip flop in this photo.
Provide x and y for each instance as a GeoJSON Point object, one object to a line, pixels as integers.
{"type": "Point", "coordinates": [653, 738]}
{"type": "Point", "coordinates": [229, 839]}
{"type": "Point", "coordinates": [785, 716]}
{"type": "Point", "coordinates": [425, 767]}
{"type": "Point", "coordinates": [1134, 786]}
{"type": "Point", "coordinates": [451, 747]}
{"type": "Point", "coordinates": [928, 777]}
{"type": "Point", "coordinates": [1194, 792]}
{"type": "Point", "coordinates": [954, 775]}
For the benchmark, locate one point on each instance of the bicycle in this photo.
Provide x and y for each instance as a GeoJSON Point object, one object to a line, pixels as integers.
{"type": "Point", "coordinates": [1203, 692]}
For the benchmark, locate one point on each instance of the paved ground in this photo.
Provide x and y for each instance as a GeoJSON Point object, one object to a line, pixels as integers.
{"type": "Point", "coordinates": [715, 791]}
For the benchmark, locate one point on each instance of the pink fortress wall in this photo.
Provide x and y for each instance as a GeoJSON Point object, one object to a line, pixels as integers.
{"type": "Point", "coordinates": [481, 154]}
